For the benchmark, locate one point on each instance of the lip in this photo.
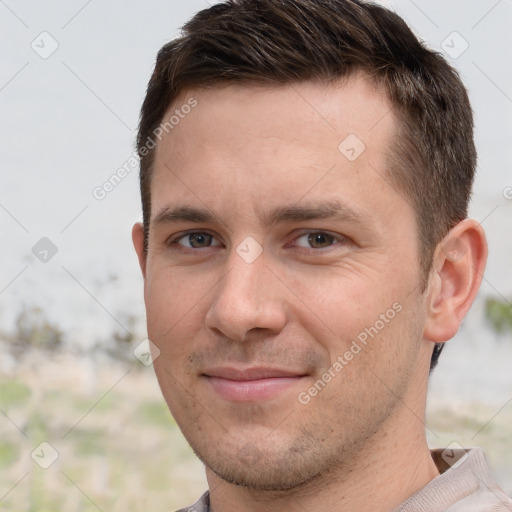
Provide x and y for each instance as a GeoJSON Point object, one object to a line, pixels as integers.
{"type": "Point", "coordinates": [250, 384]}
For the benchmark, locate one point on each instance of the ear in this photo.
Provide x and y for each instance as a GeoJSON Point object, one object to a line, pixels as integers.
{"type": "Point", "coordinates": [138, 243]}
{"type": "Point", "coordinates": [457, 271]}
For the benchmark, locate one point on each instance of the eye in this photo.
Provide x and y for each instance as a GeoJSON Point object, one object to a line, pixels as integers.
{"type": "Point", "coordinates": [196, 240]}
{"type": "Point", "coordinates": [316, 240]}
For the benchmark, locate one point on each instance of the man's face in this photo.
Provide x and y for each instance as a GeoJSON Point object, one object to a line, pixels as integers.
{"type": "Point", "coordinates": [274, 253]}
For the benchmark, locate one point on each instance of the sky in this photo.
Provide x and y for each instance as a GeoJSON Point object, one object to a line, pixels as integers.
{"type": "Point", "coordinates": [72, 80]}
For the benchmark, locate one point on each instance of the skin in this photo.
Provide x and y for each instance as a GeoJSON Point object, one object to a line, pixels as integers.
{"type": "Point", "coordinates": [241, 154]}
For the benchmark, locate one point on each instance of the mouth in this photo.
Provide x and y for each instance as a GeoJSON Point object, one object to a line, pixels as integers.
{"type": "Point", "coordinates": [250, 384]}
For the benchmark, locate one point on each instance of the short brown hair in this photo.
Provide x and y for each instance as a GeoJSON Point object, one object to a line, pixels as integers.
{"type": "Point", "coordinates": [433, 158]}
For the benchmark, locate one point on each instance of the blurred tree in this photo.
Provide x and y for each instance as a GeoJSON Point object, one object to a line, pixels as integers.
{"type": "Point", "coordinates": [34, 330]}
{"type": "Point", "coordinates": [498, 314]}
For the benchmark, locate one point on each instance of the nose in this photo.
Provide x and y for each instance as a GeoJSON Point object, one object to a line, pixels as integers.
{"type": "Point", "coordinates": [248, 298]}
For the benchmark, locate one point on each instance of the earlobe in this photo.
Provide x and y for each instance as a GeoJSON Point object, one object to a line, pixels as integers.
{"type": "Point", "coordinates": [138, 243]}
{"type": "Point", "coordinates": [457, 270]}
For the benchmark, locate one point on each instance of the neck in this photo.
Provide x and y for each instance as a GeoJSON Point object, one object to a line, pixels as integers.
{"type": "Point", "coordinates": [392, 466]}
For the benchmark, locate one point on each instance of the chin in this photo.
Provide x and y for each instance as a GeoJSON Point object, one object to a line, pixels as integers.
{"type": "Point", "coordinates": [264, 478]}
{"type": "Point", "coordinates": [269, 469]}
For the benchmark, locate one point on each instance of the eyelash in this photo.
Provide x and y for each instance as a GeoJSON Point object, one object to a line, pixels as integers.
{"type": "Point", "coordinates": [174, 241]}
{"type": "Point", "coordinates": [337, 240]}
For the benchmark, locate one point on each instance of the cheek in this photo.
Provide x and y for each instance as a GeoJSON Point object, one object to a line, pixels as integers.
{"type": "Point", "coordinates": [175, 309]}
{"type": "Point", "coordinates": [341, 301]}
{"type": "Point", "coordinates": [359, 320]}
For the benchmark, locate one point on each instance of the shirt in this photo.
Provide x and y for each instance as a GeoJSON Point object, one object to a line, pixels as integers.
{"type": "Point", "coordinates": [464, 485]}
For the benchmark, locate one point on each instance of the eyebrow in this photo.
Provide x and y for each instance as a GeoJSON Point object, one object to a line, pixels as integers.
{"type": "Point", "coordinates": [329, 210]}
{"type": "Point", "coordinates": [183, 214]}
{"type": "Point", "coordinates": [285, 214]}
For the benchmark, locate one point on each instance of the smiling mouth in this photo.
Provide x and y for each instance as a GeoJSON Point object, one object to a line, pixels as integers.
{"type": "Point", "coordinates": [251, 384]}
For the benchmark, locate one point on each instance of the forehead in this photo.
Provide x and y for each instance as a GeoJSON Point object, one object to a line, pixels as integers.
{"type": "Point", "coordinates": [304, 109]}
{"type": "Point", "coordinates": [258, 144]}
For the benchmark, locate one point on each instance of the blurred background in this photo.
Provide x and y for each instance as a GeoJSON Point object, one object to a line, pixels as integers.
{"type": "Point", "coordinates": [83, 425]}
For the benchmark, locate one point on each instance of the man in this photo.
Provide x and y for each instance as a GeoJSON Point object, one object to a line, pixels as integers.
{"type": "Point", "coordinates": [306, 167]}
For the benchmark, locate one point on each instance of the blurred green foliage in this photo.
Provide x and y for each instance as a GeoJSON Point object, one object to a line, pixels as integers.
{"type": "Point", "coordinates": [156, 413]}
{"type": "Point", "coordinates": [124, 451]}
{"type": "Point", "coordinates": [90, 442]}
{"type": "Point", "coordinates": [498, 314]}
{"type": "Point", "coordinates": [13, 393]}
{"type": "Point", "coordinates": [9, 453]}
